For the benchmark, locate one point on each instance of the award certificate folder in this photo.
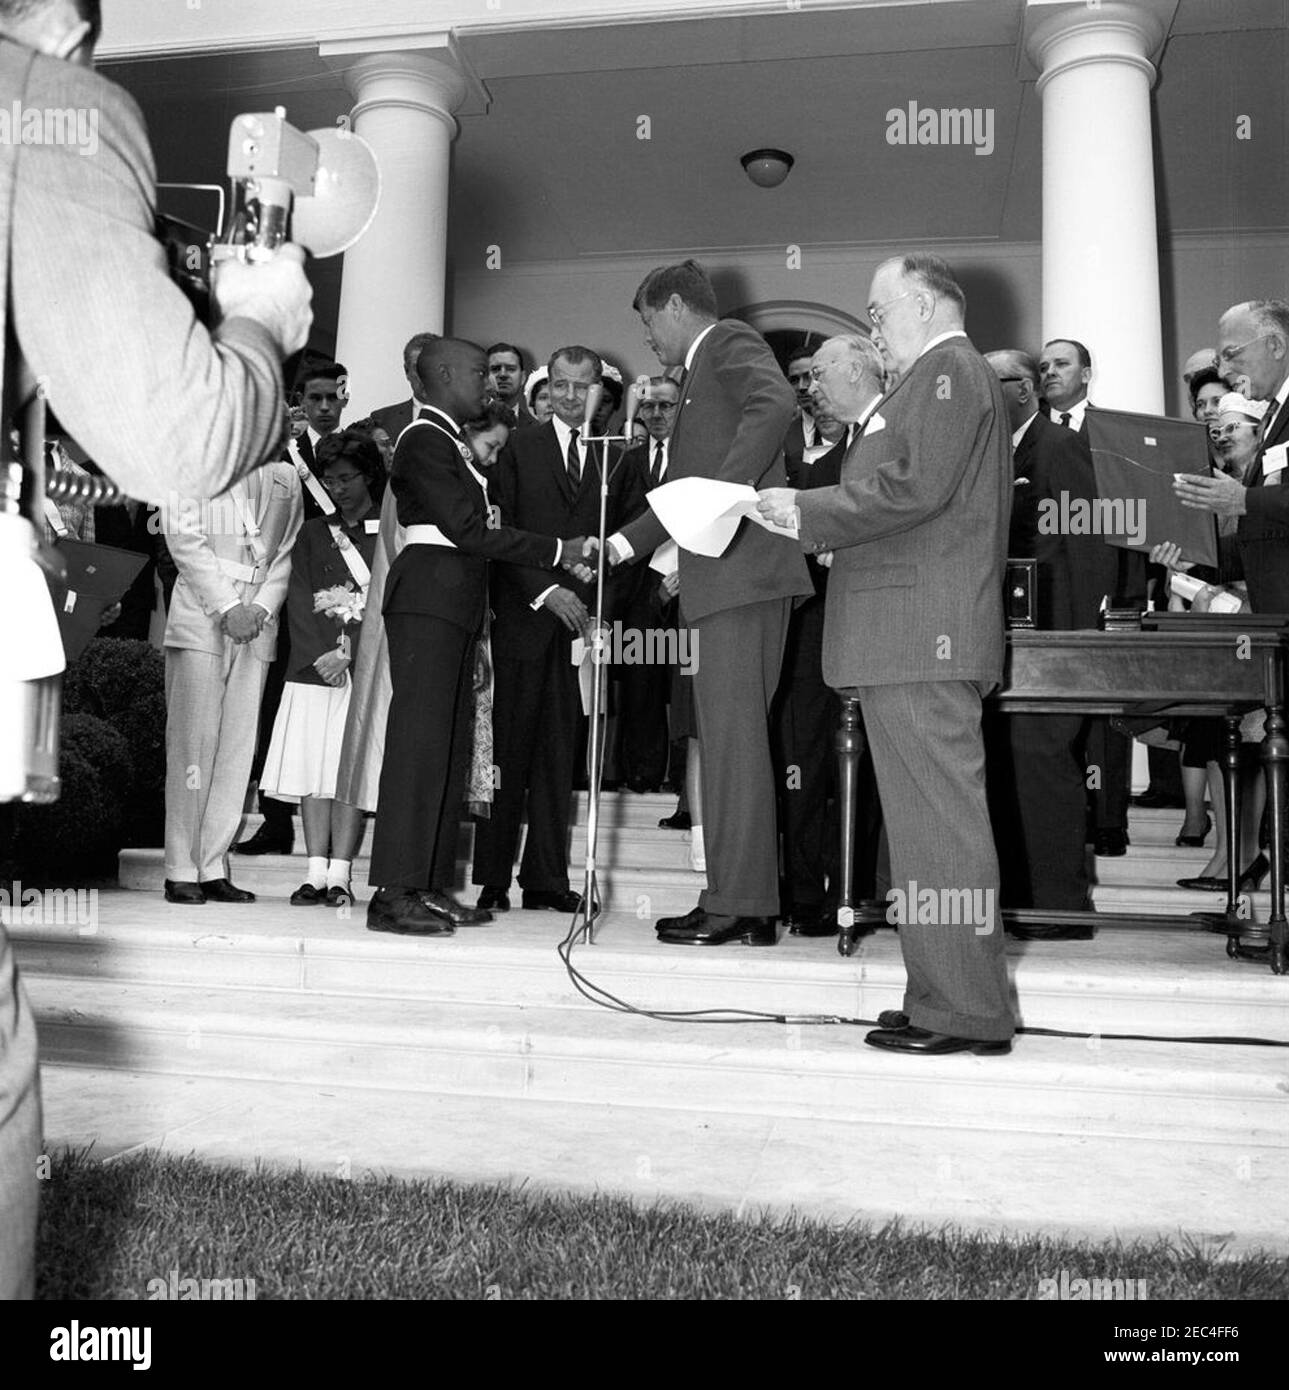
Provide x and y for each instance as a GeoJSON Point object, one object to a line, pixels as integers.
{"type": "Point", "coordinates": [1134, 458]}
{"type": "Point", "coordinates": [97, 576]}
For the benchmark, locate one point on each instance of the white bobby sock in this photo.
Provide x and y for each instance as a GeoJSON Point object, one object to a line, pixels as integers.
{"type": "Point", "coordinates": [338, 873]}
{"type": "Point", "coordinates": [317, 875]}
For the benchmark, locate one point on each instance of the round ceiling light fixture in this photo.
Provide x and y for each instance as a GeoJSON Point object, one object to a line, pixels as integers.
{"type": "Point", "coordinates": [767, 168]}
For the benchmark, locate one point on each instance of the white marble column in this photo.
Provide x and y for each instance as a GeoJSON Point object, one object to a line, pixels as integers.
{"type": "Point", "coordinates": [393, 281]}
{"type": "Point", "coordinates": [1100, 247]}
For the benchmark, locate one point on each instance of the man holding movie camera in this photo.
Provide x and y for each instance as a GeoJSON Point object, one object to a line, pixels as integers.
{"type": "Point", "coordinates": [92, 321]}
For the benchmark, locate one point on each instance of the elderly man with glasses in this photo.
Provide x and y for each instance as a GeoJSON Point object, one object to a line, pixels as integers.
{"type": "Point", "coordinates": [1253, 356]}
{"type": "Point", "coordinates": [918, 525]}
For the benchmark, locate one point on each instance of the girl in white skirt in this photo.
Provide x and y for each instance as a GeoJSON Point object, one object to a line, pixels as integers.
{"type": "Point", "coordinates": [331, 553]}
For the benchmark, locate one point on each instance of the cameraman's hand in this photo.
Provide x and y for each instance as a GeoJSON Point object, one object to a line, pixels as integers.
{"type": "Point", "coordinates": [274, 293]}
{"type": "Point", "coordinates": [243, 623]}
{"type": "Point", "coordinates": [568, 608]}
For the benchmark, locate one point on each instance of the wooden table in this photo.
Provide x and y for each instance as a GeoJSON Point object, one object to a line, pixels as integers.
{"type": "Point", "coordinates": [1176, 665]}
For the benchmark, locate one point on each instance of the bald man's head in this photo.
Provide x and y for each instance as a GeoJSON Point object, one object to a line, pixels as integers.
{"type": "Point", "coordinates": [1017, 372]}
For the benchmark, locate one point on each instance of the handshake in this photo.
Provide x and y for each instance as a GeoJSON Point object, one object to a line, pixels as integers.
{"type": "Point", "coordinates": [574, 554]}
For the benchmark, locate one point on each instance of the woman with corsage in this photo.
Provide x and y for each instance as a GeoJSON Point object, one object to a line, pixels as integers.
{"type": "Point", "coordinates": [330, 575]}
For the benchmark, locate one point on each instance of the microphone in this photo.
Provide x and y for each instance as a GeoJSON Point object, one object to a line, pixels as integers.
{"type": "Point", "coordinates": [639, 392]}
{"type": "Point", "coordinates": [593, 398]}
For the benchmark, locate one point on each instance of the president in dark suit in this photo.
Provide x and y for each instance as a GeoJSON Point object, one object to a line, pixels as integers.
{"type": "Point", "coordinates": [735, 409]}
{"type": "Point", "coordinates": [1254, 350]}
{"type": "Point", "coordinates": [1038, 791]}
{"type": "Point", "coordinates": [546, 480]}
{"type": "Point", "coordinates": [435, 597]}
{"type": "Point", "coordinates": [914, 620]}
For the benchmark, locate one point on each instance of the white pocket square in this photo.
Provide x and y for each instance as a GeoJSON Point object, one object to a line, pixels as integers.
{"type": "Point", "coordinates": [1274, 460]}
{"type": "Point", "coordinates": [875, 424]}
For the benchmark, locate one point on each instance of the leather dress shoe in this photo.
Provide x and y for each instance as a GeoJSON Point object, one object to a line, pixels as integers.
{"type": "Point", "coordinates": [926, 1044]}
{"type": "Point", "coordinates": [808, 923]}
{"type": "Point", "coordinates": [494, 900]}
{"type": "Point", "coordinates": [1067, 933]}
{"type": "Point", "coordinates": [219, 890]}
{"type": "Point", "coordinates": [699, 928]}
{"type": "Point", "coordinates": [340, 895]}
{"type": "Point", "coordinates": [266, 841]}
{"type": "Point", "coordinates": [456, 912]}
{"type": "Point", "coordinates": [183, 890]}
{"type": "Point", "coordinates": [1111, 844]}
{"type": "Point", "coordinates": [405, 913]}
{"type": "Point", "coordinates": [1205, 883]}
{"type": "Point", "coordinates": [680, 820]}
{"type": "Point", "coordinates": [892, 1018]}
{"type": "Point", "coordinates": [541, 899]}
{"type": "Point", "coordinates": [306, 895]}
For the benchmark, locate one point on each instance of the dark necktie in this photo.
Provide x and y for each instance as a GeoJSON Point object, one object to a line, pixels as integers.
{"type": "Point", "coordinates": [1066, 418]}
{"type": "Point", "coordinates": [573, 463]}
{"type": "Point", "coordinates": [655, 473]}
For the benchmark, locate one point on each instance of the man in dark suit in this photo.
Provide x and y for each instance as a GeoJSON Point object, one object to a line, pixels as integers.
{"type": "Point", "coordinates": [914, 621]}
{"type": "Point", "coordinates": [1254, 353]}
{"type": "Point", "coordinates": [547, 480]}
{"type": "Point", "coordinates": [1037, 780]}
{"type": "Point", "coordinates": [395, 418]}
{"type": "Point", "coordinates": [802, 432]}
{"type": "Point", "coordinates": [643, 687]}
{"type": "Point", "coordinates": [735, 409]}
{"type": "Point", "coordinates": [435, 597]}
{"type": "Point", "coordinates": [1065, 368]}
{"type": "Point", "coordinates": [846, 381]}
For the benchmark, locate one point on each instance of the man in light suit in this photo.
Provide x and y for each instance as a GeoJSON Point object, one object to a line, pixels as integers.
{"type": "Point", "coordinates": [734, 412]}
{"type": "Point", "coordinates": [914, 620]}
{"type": "Point", "coordinates": [234, 560]}
{"type": "Point", "coordinates": [89, 313]}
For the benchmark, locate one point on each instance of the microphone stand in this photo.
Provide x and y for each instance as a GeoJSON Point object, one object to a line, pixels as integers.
{"type": "Point", "coordinates": [595, 749]}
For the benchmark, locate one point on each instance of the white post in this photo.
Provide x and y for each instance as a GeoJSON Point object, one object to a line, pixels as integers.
{"type": "Point", "coordinates": [1100, 244]}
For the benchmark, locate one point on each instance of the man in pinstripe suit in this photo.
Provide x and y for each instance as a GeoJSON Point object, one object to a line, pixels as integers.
{"type": "Point", "coordinates": [914, 621]}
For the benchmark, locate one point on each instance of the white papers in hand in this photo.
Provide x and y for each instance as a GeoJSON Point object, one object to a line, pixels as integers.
{"type": "Point", "coordinates": [666, 559]}
{"type": "Point", "coordinates": [702, 514]}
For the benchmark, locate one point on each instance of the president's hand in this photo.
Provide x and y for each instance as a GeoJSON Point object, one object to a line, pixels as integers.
{"type": "Point", "coordinates": [670, 585]}
{"type": "Point", "coordinates": [1221, 495]}
{"type": "Point", "coordinates": [243, 623]}
{"type": "Point", "coordinates": [275, 293]}
{"type": "Point", "coordinates": [568, 608]}
{"type": "Point", "coordinates": [778, 505]}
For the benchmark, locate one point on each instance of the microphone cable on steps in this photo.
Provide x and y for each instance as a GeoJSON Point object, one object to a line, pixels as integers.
{"type": "Point", "coordinates": [597, 994]}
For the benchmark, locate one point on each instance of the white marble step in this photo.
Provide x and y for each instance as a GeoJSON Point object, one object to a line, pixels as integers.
{"type": "Point", "coordinates": [1167, 981]}
{"type": "Point", "coordinates": [1194, 1094]}
{"type": "Point", "coordinates": [1226, 1193]}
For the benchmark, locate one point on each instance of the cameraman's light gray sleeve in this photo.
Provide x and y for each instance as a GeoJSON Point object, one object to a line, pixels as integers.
{"type": "Point", "coordinates": [162, 406]}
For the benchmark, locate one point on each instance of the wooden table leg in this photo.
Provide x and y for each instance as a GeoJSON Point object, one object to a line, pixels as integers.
{"type": "Point", "coordinates": [848, 748]}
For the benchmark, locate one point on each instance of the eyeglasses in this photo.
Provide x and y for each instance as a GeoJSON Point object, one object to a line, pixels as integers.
{"type": "Point", "coordinates": [816, 373]}
{"type": "Point", "coordinates": [1230, 354]}
{"type": "Point", "coordinates": [877, 312]}
{"type": "Point", "coordinates": [340, 480]}
{"type": "Point", "coordinates": [658, 405]}
{"type": "Point", "coordinates": [1013, 378]}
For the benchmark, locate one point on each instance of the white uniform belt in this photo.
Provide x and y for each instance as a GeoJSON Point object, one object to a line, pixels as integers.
{"type": "Point", "coordinates": [425, 534]}
{"type": "Point", "coordinates": [234, 569]}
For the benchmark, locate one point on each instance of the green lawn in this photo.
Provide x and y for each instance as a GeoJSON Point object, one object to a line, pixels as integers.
{"type": "Point", "coordinates": [107, 1229]}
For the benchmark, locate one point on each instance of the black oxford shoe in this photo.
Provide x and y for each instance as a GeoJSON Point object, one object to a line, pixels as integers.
{"type": "Point", "coordinates": [494, 900]}
{"type": "Point", "coordinates": [1111, 844]}
{"type": "Point", "coordinates": [701, 928]}
{"type": "Point", "coordinates": [183, 890]}
{"type": "Point", "coordinates": [811, 924]}
{"type": "Point", "coordinates": [219, 890]}
{"type": "Point", "coordinates": [537, 899]}
{"type": "Point", "coordinates": [405, 913]}
{"type": "Point", "coordinates": [926, 1044]}
{"type": "Point", "coordinates": [266, 841]}
{"type": "Point", "coordinates": [679, 820]}
{"type": "Point", "coordinates": [306, 895]}
{"type": "Point", "coordinates": [340, 895]}
{"type": "Point", "coordinates": [456, 912]}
